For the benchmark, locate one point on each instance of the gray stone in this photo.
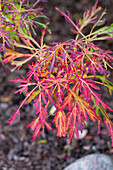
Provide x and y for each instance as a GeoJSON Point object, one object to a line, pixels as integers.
{"type": "Point", "coordinates": [92, 162]}
{"type": "Point", "coordinates": [4, 105]}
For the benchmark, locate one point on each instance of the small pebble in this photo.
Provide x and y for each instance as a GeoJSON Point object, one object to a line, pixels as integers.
{"type": "Point", "coordinates": [15, 157]}
{"type": "Point", "coordinates": [87, 147]}
{"type": "Point", "coordinates": [3, 106]}
{"type": "Point", "coordinates": [94, 148]}
{"type": "Point", "coordinates": [82, 134]}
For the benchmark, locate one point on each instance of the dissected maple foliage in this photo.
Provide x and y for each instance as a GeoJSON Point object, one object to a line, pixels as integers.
{"type": "Point", "coordinates": [67, 75]}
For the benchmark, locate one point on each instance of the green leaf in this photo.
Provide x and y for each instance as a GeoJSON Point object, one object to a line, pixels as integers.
{"type": "Point", "coordinates": [95, 106]}
{"type": "Point", "coordinates": [33, 30]}
{"type": "Point", "coordinates": [105, 30]}
{"type": "Point", "coordinates": [42, 141]}
{"type": "Point", "coordinates": [107, 83]}
{"type": "Point", "coordinates": [1, 58]}
{"type": "Point", "coordinates": [22, 30]}
{"type": "Point", "coordinates": [34, 94]}
{"type": "Point", "coordinates": [44, 26]}
{"type": "Point", "coordinates": [103, 111]}
{"type": "Point", "coordinates": [41, 24]}
{"type": "Point", "coordinates": [99, 23]}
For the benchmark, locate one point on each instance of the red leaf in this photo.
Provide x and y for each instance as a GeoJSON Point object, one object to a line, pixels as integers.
{"type": "Point", "coordinates": [60, 122]}
{"type": "Point", "coordinates": [13, 117]}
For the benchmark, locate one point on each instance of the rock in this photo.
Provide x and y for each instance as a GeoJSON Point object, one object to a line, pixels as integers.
{"type": "Point", "coordinates": [10, 154]}
{"type": "Point", "coordinates": [52, 110]}
{"type": "Point", "coordinates": [82, 134]}
{"type": "Point", "coordinates": [87, 148]}
{"type": "Point", "coordinates": [92, 162]}
{"type": "Point", "coordinates": [3, 106]}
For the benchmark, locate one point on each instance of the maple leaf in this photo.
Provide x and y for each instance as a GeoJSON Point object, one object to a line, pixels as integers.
{"type": "Point", "coordinates": [64, 74]}
{"type": "Point", "coordinates": [60, 122]}
{"type": "Point", "coordinates": [90, 16]}
{"type": "Point", "coordinates": [13, 117]}
{"type": "Point", "coordinates": [38, 124]}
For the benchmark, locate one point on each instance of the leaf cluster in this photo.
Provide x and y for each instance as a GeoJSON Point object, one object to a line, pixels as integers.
{"type": "Point", "coordinates": [66, 74]}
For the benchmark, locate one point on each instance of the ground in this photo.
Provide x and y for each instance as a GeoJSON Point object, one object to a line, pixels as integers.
{"type": "Point", "coordinates": [48, 152]}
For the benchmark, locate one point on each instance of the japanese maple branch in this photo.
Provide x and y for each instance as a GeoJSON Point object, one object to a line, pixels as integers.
{"type": "Point", "coordinates": [71, 22]}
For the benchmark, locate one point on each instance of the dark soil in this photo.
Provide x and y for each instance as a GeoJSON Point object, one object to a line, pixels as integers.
{"type": "Point", "coordinates": [48, 152]}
